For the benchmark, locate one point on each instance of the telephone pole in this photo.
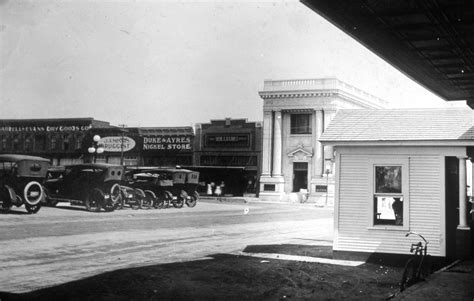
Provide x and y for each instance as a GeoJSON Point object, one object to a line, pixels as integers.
{"type": "Point", "coordinates": [121, 143]}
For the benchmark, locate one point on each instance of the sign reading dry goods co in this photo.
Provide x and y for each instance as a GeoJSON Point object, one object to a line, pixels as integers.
{"type": "Point", "coordinates": [115, 143]}
{"type": "Point", "coordinates": [167, 143]}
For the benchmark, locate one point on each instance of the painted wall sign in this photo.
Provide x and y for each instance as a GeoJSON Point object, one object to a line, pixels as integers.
{"type": "Point", "coordinates": [167, 143]}
{"type": "Point", "coordinates": [46, 128]}
{"type": "Point", "coordinates": [228, 140]}
{"type": "Point", "coordinates": [114, 143]}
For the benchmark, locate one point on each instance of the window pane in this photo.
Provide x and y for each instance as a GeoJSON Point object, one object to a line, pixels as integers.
{"type": "Point", "coordinates": [388, 210]}
{"type": "Point", "coordinates": [301, 124]}
{"type": "Point", "coordinates": [388, 179]}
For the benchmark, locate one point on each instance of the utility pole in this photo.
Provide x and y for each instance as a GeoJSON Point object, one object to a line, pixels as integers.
{"type": "Point", "coordinates": [121, 143]}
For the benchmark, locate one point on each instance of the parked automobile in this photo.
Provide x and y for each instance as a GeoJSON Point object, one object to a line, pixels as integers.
{"type": "Point", "coordinates": [149, 183]}
{"type": "Point", "coordinates": [21, 179]}
{"type": "Point", "coordinates": [135, 198]}
{"type": "Point", "coordinates": [93, 185]}
{"type": "Point", "coordinates": [166, 186]}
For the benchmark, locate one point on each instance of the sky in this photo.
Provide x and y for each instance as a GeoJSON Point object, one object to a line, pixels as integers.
{"type": "Point", "coordinates": [175, 63]}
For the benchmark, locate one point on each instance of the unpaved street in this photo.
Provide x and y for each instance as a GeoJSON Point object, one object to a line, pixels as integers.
{"type": "Point", "coordinates": [62, 244]}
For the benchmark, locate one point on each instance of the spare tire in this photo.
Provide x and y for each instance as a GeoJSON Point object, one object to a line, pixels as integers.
{"type": "Point", "coordinates": [33, 193]}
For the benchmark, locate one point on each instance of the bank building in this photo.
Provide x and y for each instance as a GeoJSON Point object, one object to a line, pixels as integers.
{"type": "Point", "coordinates": [295, 165]}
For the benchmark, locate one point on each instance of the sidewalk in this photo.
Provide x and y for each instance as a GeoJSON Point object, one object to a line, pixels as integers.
{"type": "Point", "coordinates": [453, 283]}
{"type": "Point", "coordinates": [256, 200]}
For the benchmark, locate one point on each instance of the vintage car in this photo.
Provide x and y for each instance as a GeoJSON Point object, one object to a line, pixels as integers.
{"type": "Point", "coordinates": [21, 179]}
{"type": "Point", "coordinates": [165, 186]}
{"type": "Point", "coordinates": [93, 185]}
{"type": "Point", "coordinates": [136, 198]}
{"type": "Point", "coordinates": [146, 182]}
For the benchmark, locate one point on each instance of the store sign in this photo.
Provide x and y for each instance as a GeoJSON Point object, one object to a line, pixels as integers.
{"type": "Point", "coordinates": [167, 143]}
{"type": "Point", "coordinates": [46, 128]}
{"type": "Point", "coordinates": [228, 140]}
{"type": "Point", "coordinates": [117, 143]}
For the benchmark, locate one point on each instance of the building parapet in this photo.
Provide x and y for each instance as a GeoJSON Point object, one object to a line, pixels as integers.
{"type": "Point", "coordinates": [317, 87]}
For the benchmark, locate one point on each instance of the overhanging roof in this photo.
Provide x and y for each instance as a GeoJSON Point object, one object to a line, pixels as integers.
{"type": "Point", "coordinates": [431, 41]}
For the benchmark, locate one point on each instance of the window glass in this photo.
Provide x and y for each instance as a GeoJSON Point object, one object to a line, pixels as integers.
{"type": "Point", "coordinates": [388, 196]}
{"type": "Point", "coordinates": [388, 179]}
{"type": "Point", "coordinates": [300, 123]}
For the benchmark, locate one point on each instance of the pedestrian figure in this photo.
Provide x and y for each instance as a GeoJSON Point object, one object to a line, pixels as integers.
{"type": "Point", "coordinates": [218, 192]}
{"type": "Point", "coordinates": [209, 189]}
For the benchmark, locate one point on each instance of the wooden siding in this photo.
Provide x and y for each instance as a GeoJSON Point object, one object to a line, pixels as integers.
{"type": "Point", "coordinates": [353, 229]}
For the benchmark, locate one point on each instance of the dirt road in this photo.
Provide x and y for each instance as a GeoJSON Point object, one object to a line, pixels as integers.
{"type": "Point", "coordinates": [62, 244]}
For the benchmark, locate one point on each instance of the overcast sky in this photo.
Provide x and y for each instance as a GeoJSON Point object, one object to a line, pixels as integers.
{"type": "Point", "coordinates": [174, 63]}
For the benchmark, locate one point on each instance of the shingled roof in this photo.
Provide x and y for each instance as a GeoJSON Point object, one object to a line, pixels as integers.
{"type": "Point", "coordinates": [401, 125]}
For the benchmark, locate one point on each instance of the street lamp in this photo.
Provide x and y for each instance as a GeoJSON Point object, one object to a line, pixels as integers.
{"type": "Point", "coordinates": [328, 171]}
{"type": "Point", "coordinates": [95, 148]}
{"type": "Point", "coordinates": [121, 143]}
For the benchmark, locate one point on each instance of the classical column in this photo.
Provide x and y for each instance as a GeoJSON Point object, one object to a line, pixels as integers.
{"type": "Point", "coordinates": [267, 143]}
{"type": "Point", "coordinates": [462, 193]}
{"type": "Point", "coordinates": [277, 145]}
{"type": "Point", "coordinates": [328, 149]}
{"type": "Point", "coordinates": [319, 150]}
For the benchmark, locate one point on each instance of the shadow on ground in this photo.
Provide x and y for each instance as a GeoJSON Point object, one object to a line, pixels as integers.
{"type": "Point", "coordinates": [234, 277]}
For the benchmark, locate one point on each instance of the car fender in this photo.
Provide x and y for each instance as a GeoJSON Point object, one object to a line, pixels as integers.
{"type": "Point", "coordinates": [11, 193]}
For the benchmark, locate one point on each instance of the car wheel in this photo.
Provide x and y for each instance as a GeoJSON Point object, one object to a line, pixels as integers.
{"type": "Point", "coordinates": [138, 199]}
{"type": "Point", "coordinates": [115, 193]}
{"type": "Point", "coordinates": [94, 200]}
{"type": "Point", "coordinates": [149, 199]}
{"type": "Point", "coordinates": [31, 209]}
{"type": "Point", "coordinates": [159, 202]}
{"type": "Point", "coordinates": [192, 199]}
{"type": "Point", "coordinates": [121, 202]}
{"type": "Point", "coordinates": [178, 202]}
{"type": "Point", "coordinates": [33, 193]}
{"type": "Point", "coordinates": [108, 205]}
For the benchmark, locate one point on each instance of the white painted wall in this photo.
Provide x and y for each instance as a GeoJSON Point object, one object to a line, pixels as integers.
{"type": "Point", "coordinates": [426, 199]}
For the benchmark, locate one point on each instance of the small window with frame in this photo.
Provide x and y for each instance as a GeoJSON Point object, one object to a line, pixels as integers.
{"type": "Point", "coordinates": [300, 124]}
{"type": "Point", "coordinates": [388, 195]}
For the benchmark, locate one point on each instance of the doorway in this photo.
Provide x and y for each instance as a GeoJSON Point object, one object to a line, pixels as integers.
{"type": "Point", "coordinates": [452, 203]}
{"type": "Point", "coordinates": [300, 176]}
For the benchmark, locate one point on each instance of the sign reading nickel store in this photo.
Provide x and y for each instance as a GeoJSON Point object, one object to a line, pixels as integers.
{"type": "Point", "coordinates": [167, 143]}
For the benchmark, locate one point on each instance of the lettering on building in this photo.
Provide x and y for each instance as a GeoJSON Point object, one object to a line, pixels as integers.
{"type": "Point", "coordinates": [167, 143]}
{"type": "Point", "coordinates": [46, 128]}
{"type": "Point", "coordinates": [228, 140]}
{"type": "Point", "coordinates": [117, 144]}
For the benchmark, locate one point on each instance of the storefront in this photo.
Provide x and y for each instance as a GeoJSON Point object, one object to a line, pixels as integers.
{"type": "Point", "coordinates": [228, 155]}
{"type": "Point", "coordinates": [170, 146]}
{"type": "Point", "coordinates": [61, 140]}
{"type": "Point", "coordinates": [400, 171]}
{"type": "Point", "coordinates": [295, 165]}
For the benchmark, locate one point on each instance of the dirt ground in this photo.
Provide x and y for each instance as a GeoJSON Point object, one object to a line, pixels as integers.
{"type": "Point", "coordinates": [233, 277]}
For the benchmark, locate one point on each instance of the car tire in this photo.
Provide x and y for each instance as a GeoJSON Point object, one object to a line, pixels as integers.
{"type": "Point", "coordinates": [192, 199]}
{"type": "Point", "coordinates": [108, 205]}
{"type": "Point", "coordinates": [138, 199]}
{"type": "Point", "coordinates": [149, 200]}
{"type": "Point", "coordinates": [115, 193]}
{"type": "Point", "coordinates": [179, 201]}
{"type": "Point", "coordinates": [31, 209]}
{"type": "Point", "coordinates": [94, 200]}
{"type": "Point", "coordinates": [33, 187]}
{"type": "Point", "coordinates": [121, 202]}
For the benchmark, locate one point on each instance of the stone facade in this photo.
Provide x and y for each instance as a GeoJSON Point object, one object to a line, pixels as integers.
{"type": "Point", "coordinates": [295, 166]}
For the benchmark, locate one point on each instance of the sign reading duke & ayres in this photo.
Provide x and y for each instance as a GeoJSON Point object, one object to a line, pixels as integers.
{"type": "Point", "coordinates": [167, 143]}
